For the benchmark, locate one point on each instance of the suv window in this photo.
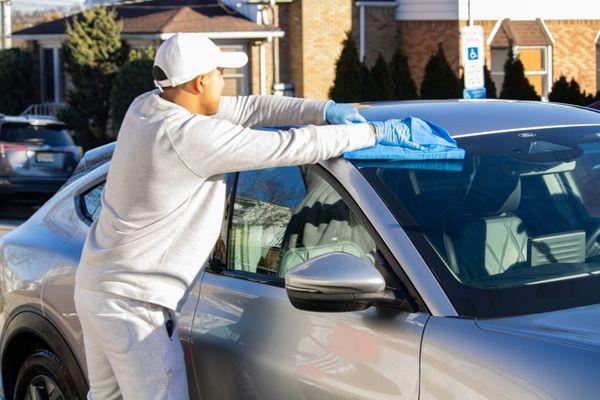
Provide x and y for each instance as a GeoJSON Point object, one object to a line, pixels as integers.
{"type": "Point", "coordinates": [285, 216]}
{"type": "Point", "coordinates": [91, 203]}
{"type": "Point", "coordinates": [51, 135]}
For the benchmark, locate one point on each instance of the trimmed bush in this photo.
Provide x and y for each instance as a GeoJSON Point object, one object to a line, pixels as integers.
{"type": "Point", "coordinates": [403, 85]}
{"type": "Point", "coordinates": [490, 86]}
{"type": "Point", "coordinates": [592, 99]}
{"type": "Point", "coordinates": [367, 85]}
{"type": "Point", "coordinates": [440, 81]}
{"type": "Point", "coordinates": [16, 81]}
{"type": "Point", "coordinates": [346, 86]}
{"type": "Point", "coordinates": [133, 79]}
{"type": "Point", "coordinates": [570, 92]}
{"type": "Point", "coordinates": [516, 86]}
{"type": "Point", "coordinates": [382, 82]}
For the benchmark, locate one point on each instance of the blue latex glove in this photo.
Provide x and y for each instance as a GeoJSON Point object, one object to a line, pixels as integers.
{"type": "Point", "coordinates": [338, 114]}
{"type": "Point", "coordinates": [394, 132]}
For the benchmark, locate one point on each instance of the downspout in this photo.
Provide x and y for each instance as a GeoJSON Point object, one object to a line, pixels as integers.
{"type": "Point", "coordinates": [262, 60]}
{"type": "Point", "coordinates": [361, 23]}
{"type": "Point", "coordinates": [275, 12]}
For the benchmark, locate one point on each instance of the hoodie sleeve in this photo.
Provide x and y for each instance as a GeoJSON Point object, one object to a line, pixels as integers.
{"type": "Point", "coordinates": [271, 111]}
{"type": "Point", "coordinates": [211, 147]}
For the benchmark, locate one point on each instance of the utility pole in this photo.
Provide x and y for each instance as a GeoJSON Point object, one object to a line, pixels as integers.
{"type": "Point", "coordinates": [5, 9]}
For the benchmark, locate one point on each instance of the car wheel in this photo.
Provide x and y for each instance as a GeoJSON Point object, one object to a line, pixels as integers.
{"type": "Point", "coordinates": [43, 376]}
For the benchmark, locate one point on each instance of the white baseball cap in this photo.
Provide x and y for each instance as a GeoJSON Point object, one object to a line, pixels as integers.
{"type": "Point", "coordinates": [184, 56]}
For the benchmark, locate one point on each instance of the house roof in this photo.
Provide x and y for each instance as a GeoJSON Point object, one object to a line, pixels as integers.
{"type": "Point", "coordinates": [521, 33]}
{"type": "Point", "coordinates": [163, 17]}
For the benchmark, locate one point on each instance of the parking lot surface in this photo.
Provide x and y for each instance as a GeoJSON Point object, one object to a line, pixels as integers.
{"type": "Point", "coordinates": [14, 215]}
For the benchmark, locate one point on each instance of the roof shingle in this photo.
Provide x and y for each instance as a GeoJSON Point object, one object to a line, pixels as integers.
{"type": "Point", "coordinates": [521, 33]}
{"type": "Point", "coordinates": [166, 16]}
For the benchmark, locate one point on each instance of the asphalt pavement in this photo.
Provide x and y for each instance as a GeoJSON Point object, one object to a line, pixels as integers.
{"type": "Point", "coordinates": [13, 215]}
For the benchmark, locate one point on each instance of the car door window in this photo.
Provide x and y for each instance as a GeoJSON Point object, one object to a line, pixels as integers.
{"type": "Point", "coordinates": [285, 216]}
{"type": "Point", "coordinates": [91, 203]}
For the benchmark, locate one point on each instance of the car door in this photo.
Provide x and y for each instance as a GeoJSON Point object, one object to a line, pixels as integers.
{"type": "Point", "coordinates": [251, 343]}
{"type": "Point", "coordinates": [58, 286]}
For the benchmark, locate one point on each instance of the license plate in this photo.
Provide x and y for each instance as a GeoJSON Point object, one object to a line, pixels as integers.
{"type": "Point", "coordinates": [44, 157]}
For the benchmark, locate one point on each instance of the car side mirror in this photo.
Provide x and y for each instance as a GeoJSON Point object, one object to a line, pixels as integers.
{"type": "Point", "coordinates": [337, 282]}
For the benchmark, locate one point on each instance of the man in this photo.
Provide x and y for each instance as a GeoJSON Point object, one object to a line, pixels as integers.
{"type": "Point", "coordinates": [163, 204]}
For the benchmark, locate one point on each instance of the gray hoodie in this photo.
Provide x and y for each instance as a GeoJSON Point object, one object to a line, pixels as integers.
{"type": "Point", "coordinates": [164, 198]}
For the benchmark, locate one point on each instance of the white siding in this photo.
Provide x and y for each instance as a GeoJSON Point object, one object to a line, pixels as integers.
{"type": "Point", "coordinates": [427, 10]}
{"type": "Point", "coordinates": [497, 9]}
{"type": "Point", "coordinates": [530, 9]}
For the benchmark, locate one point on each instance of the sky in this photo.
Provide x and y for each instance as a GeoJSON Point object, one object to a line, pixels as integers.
{"type": "Point", "coordinates": [33, 5]}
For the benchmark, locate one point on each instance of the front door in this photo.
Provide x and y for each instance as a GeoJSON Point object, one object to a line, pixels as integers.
{"type": "Point", "coordinates": [251, 343]}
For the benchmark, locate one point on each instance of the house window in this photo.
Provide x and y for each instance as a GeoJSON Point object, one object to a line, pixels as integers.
{"type": "Point", "coordinates": [498, 59]}
{"type": "Point", "coordinates": [52, 80]}
{"type": "Point", "coordinates": [236, 79]}
{"type": "Point", "coordinates": [535, 59]}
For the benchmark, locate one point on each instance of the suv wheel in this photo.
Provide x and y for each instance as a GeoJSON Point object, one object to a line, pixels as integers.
{"type": "Point", "coordinates": [43, 376]}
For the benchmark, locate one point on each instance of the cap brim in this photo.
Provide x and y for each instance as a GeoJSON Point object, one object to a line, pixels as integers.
{"type": "Point", "coordinates": [233, 59]}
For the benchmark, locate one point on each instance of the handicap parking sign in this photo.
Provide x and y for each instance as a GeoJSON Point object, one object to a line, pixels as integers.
{"type": "Point", "coordinates": [473, 53]}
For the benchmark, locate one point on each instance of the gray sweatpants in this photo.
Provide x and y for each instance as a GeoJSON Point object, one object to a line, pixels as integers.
{"type": "Point", "coordinates": [129, 354]}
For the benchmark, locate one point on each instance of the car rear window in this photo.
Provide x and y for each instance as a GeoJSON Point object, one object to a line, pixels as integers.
{"type": "Point", "coordinates": [51, 135]}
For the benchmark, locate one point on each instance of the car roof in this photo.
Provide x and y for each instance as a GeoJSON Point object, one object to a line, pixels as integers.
{"type": "Point", "coordinates": [31, 119]}
{"type": "Point", "coordinates": [459, 117]}
{"type": "Point", "coordinates": [463, 117]}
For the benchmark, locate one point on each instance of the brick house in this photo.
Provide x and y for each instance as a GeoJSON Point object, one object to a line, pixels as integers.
{"type": "Point", "coordinates": [550, 37]}
{"type": "Point", "coordinates": [299, 41]}
{"type": "Point", "coordinates": [148, 23]}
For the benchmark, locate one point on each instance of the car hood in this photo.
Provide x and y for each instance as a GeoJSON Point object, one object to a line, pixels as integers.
{"type": "Point", "coordinates": [576, 326]}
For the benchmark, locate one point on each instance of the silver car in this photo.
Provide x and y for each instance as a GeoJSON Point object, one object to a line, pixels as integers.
{"type": "Point", "coordinates": [462, 279]}
{"type": "Point", "coordinates": [37, 155]}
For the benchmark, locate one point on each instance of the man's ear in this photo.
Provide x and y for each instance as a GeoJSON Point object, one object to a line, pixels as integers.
{"type": "Point", "coordinates": [198, 84]}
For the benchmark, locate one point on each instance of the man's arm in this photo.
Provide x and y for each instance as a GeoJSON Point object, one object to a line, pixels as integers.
{"type": "Point", "coordinates": [252, 111]}
{"type": "Point", "coordinates": [211, 146]}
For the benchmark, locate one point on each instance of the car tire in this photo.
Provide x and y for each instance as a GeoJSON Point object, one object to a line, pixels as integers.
{"type": "Point", "coordinates": [44, 374]}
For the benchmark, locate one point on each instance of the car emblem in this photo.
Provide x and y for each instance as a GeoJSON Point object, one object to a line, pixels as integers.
{"type": "Point", "coordinates": [527, 134]}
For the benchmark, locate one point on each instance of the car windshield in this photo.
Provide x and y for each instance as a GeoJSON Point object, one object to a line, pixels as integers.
{"type": "Point", "coordinates": [513, 228]}
{"type": "Point", "coordinates": [51, 135]}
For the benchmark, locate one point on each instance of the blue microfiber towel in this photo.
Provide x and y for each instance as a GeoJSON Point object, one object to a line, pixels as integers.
{"type": "Point", "coordinates": [436, 140]}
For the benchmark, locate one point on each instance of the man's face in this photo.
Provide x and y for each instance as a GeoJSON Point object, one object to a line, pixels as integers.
{"type": "Point", "coordinates": [212, 90]}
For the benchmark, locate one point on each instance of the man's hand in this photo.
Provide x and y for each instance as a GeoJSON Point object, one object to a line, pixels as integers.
{"type": "Point", "coordinates": [337, 114]}
{"type": "Point", "coordinates": [394, 132]}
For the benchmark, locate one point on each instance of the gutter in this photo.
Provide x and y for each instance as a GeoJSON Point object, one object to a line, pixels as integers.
{"type": "Point", "coordinates": [165, 36]}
